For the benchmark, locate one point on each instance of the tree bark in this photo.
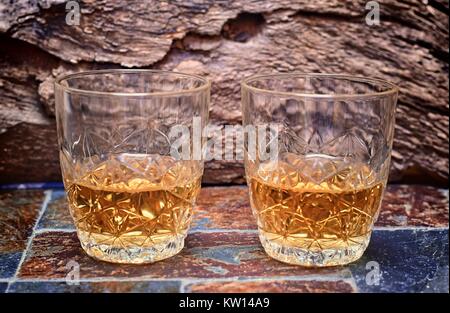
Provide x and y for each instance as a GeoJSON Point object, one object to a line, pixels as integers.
{"type": "Point", "coordinates": [225, 41]}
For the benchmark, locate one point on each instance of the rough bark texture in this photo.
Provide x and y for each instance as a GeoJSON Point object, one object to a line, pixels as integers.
{"type": "Point", "coordinates": [226, 41]}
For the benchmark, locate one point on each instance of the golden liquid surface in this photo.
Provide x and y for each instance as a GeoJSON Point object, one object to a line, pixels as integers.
{"type": "Point", "coordinates": [317, 205]}
{"type": "Point", "coordinates": [130, 201]}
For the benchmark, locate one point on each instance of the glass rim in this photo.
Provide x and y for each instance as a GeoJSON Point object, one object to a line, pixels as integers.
{"type": "Point", "coordinates": [393, 89]}
{"type": "Point", "coordinates": [206, 84]}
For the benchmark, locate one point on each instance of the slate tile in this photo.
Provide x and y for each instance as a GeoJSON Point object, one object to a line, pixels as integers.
{"type": "Point", "coordinates": [430, 207]}
{"type": "Point", "coordinates": [408, 261]}
{"type": "Point", "coordinates": [271, 286]}
{"type": "Point", "coordinates": [19, 210]}
{"type": "Point", "coordinates": [57, 214]}
{"type": "Point", "coordinates": [8, 263]}
{"type": "Point", "coordinates": [96, 287]}
{"type": "Point", "coordinates": [223, 208]}
{"type": "Point", "coordinates": [414, 205]}
{"type": "Point", "coordinates": [206, 255]}
{"type": "Point", "coordinates": [3, 287]}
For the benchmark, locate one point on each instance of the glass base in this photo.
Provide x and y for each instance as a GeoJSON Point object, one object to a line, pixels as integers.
{"type": "Point", "coordinates": [337, 255]}
{"type": "Point", "coordinates": [131, 254]}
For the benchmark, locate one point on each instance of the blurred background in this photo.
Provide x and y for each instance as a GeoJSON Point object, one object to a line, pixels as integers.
{"type": "Point", "coordinates": [225, 41]}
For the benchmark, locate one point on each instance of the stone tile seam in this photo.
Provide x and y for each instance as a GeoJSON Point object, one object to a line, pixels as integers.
{"type": "Point", "coordinates": [306, 278]}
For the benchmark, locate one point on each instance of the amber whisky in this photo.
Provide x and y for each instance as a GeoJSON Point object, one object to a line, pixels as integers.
{"type": "Point", "coordinates": [315, 213]}
{"type": "Point", "coordinates": [134, 209]}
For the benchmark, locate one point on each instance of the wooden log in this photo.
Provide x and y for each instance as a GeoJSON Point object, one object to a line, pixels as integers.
{"type": "Point", "coordinates": [226, 41]}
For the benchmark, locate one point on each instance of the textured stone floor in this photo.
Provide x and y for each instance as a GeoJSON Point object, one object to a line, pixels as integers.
{"type": "Point", "coordinates": [40, 252]}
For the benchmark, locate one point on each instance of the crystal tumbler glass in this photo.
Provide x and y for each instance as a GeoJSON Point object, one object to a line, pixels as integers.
{"type": "Point", "coordinates": [130, 193]}
{"type": "Point", "coordinates": [317, 196]}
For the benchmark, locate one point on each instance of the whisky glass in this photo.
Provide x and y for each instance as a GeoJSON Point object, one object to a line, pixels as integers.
{"type": "Point", "coordinates": [130, 196]}
{"type": "Point", "coordinates": [317, 195]}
